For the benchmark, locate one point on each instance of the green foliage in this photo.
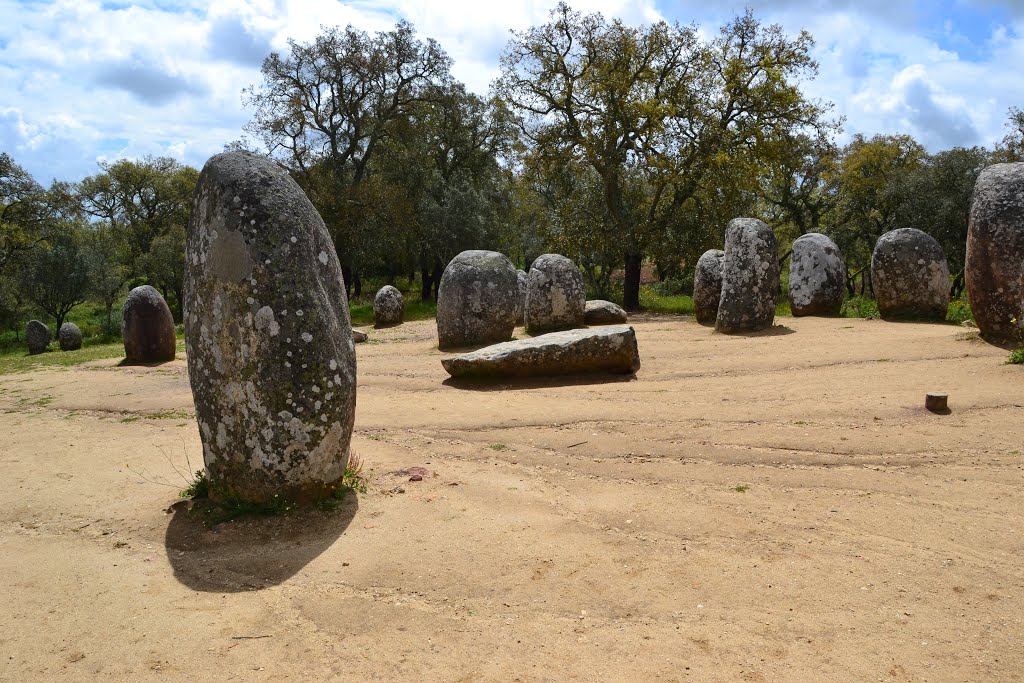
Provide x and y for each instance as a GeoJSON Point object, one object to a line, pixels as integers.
{"type": "Point", "coordinates": [1016, 357]}
{"type": "Point", "coordinates": [198, 488]}
{"type": "Point", "coordinates": [959, 311]}
{"type": "Point", "coordinates": [652, 302]}
{"type": "Point", "coordinates": [742, 488]}
{"type": "Point", "coordinates": [859, 307]}
{"type": "Point", "coordinates": [642, 141]}
{"type": "Point", "coordinates": [674, 286]}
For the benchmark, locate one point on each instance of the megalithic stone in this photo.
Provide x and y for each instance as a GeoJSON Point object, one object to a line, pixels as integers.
{"type": "Point", "coordinates": [271, 358]}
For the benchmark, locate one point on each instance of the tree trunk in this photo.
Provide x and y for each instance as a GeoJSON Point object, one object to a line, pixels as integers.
{"type": "Point", "coordinates": [438, 272]}
{"type": "Point", "coordinates": [346, 274]}
{"type": "Point", "coordinates": [427, 284]}
{"type": "Point", "coordinates": [357, 284]}
{"type": "Point", "coordinates": [958, 286]}
{"type": "Point", "coordinates": [631, 284]}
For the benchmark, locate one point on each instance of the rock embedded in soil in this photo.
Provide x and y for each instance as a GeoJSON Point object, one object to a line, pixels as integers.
{"type": "Point", "coordinates": [271, 355]}
{"type": "Point", "coordinates": [359, 337]}
{"type": "Point", "coordinates": [476, 300]}
{"type": "Point", "coordinates": [750, 277]}
{"type": "Point", "coordinates": [936, 401]}
{"type": "Point", "coordinates": [555, 295]}
{"type": "Point", "coordinates": [601, 312]}
{"type": "Point", "coordinates": [609, 349]}
{"type": "Point", "coordinates": [995, 253]}
{"type": "Point", "coordinates": [147, 327]}
{"type": "Point", "coordinates": [910, 276]}
{"type": "Point", "coordinates": [388, 307]}
{"type": "Point", "coordinates": [817, 276]}
{"type": "Point", "coordinates": [70, 337]}
{"type": "Point", "coordinates": [707, 286]}
{"type": "Point", "coordinates": [37, 337]}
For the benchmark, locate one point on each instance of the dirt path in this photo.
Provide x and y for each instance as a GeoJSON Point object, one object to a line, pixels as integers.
{"type": "Point", "coordinates": [766, 508]}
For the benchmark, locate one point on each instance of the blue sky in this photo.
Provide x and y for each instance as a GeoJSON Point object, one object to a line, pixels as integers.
{"type": "Point", "coordinates": [85, 81]}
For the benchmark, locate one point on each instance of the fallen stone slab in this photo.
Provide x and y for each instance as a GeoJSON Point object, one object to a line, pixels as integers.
{"type": "Point", "coordinates": [595, 350]}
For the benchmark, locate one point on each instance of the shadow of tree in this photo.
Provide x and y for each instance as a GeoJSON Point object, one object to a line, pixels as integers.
{"type": "Point", "coordinates": [250, 554]}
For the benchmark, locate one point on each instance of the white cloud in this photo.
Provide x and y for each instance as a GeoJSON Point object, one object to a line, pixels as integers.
{"type": "Point", "coordinates": [81, 80]}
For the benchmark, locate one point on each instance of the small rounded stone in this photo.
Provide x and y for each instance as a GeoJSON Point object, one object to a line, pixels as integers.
{"type": "Point", "coordinates": [70, 337]}
{"type": "Point", "coordinates": [555, 296]}
{"type": "Point", "coordinates": [707, 286]}
{"type": "Point", "coordinates": [476, 299]}
{"type": "Point", "coordinates": [147, 327]}
{"type": "Point", "coordinates": [817, 276]}
{"type": "Point", "coordinates": [37, 337]}
{"type": "Point", "coordinates": [388, 307]}
{"type": "Point", "coordinates": [910, 275]}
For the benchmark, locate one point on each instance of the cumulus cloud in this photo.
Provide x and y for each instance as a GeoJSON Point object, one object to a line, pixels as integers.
{"type": "Point", "coordinates": [152, 83]}
{"type": "Point", "coordinates": [231, 39]}
{"type": "Point", "coordinates": [165, 76]}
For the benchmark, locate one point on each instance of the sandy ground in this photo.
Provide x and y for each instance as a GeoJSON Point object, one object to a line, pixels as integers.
{"type": "Point", "coordinates": [571, 530]}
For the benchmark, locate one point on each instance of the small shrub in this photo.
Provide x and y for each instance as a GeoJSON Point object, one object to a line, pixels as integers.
{"type": "Point", "coordinates": [742, 488]}
{"type": "Point", "coordinates": [674, 286]}
{"type": "Point", "coordinates": [959, 311]}
{"type": "Point", "coordinates": [1016, 357]}
{"type": "Point", "coordinates": [198, 488]}
{"type": "Point", "coordinates": [860, 307]}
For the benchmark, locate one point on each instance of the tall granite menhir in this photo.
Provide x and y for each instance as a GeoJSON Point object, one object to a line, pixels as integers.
{"type": "Point", "coordinates": [270, 353]}
{"type": "Point", "coordinates": [750, 277]}
{"type": "Point", "coordinates": [995, 253]}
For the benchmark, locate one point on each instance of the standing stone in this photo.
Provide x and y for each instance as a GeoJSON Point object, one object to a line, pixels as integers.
{"type": "Point", "coordinates": [476, 300]}
{"type": "Point", "coordinates": [388, 307]}
{"type": "Point", "coordinates": [70, 337]}
{"type": "Point", "coordinates": [750, 277]}
{"type": "Point", "coordinates": [707, 286]}
{"type": "Point", "coordinates": [910, 276]}
{"type": "Point", "coordinates": [147, 327]}
{"type": "Point", "coordinates": [522, 280]}
{"type": "Point", "coordinates": [37, 336]}
{"type": "Point", "coordinates": [995, 253]}
{"type": "Point", "coordinates": [555, 296]}
{"type": "Point", "coordinates": [271, 357]}
{"type": "Point", "coordinates": [817, 276]}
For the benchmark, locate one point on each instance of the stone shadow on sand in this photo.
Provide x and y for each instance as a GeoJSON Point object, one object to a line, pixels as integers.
{"type": "Point", "coordinates": [773, 331]}
{"type": "Point", "coordinates": [506, 383]}
{"type": "Point", "coordinates": [254, 553]}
